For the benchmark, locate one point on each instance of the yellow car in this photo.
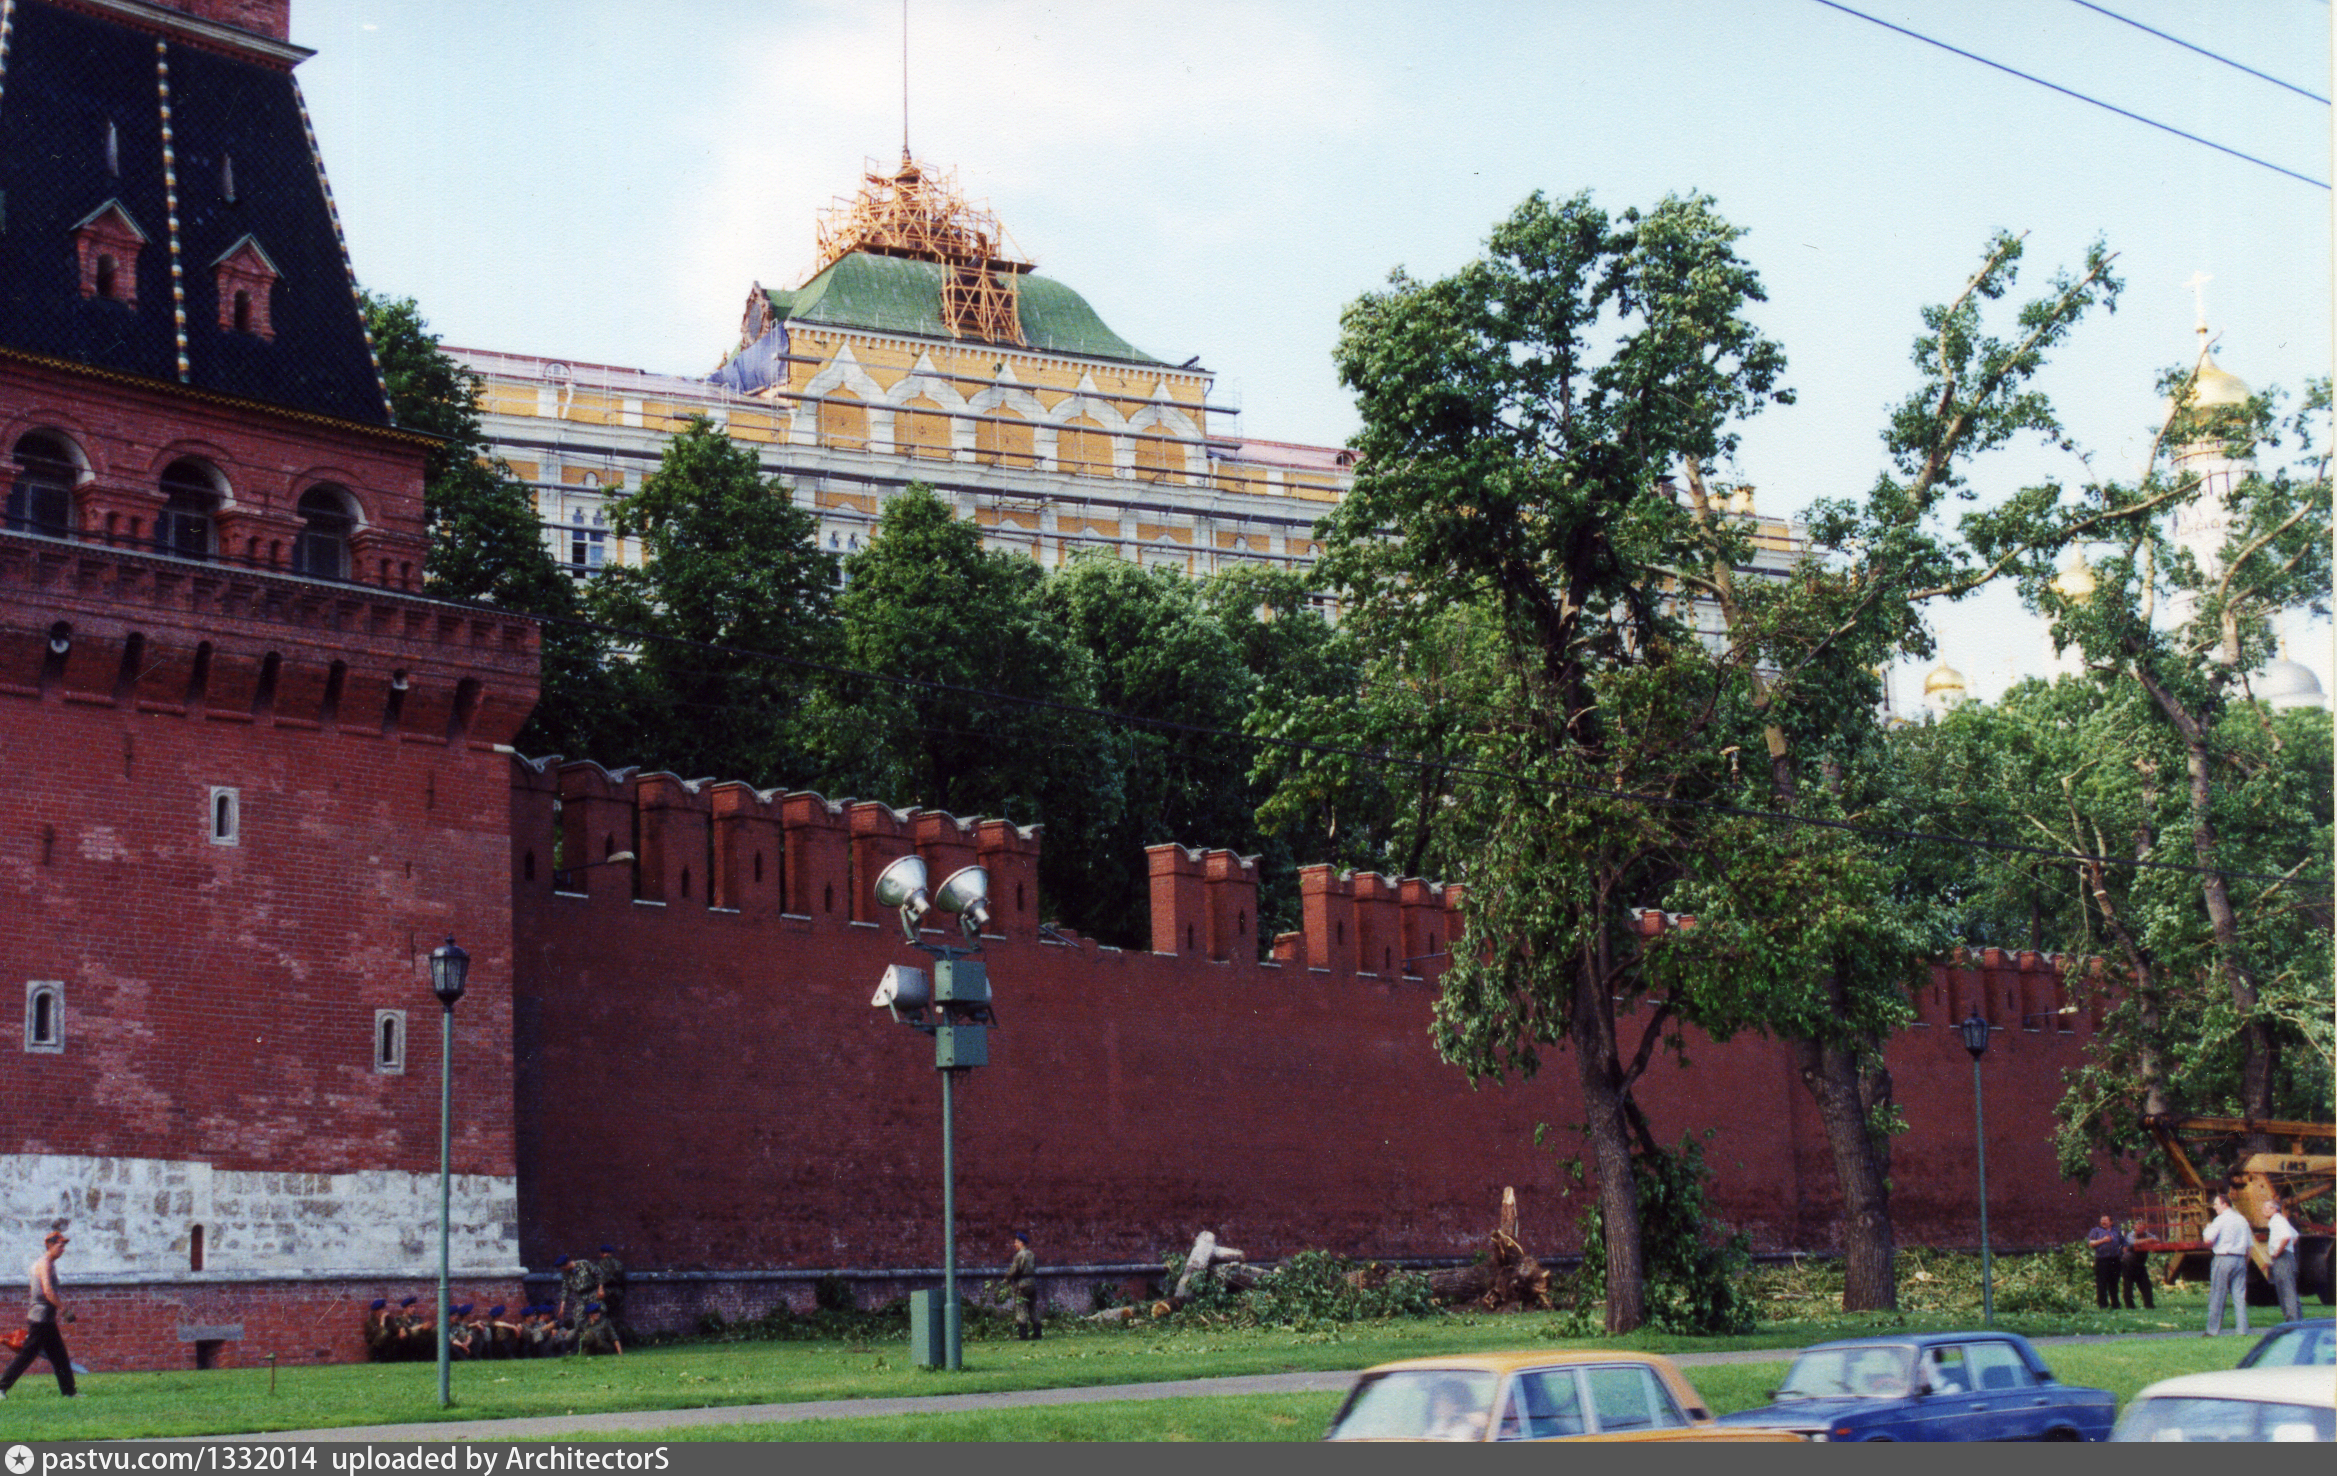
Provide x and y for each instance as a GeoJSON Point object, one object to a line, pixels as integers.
{"type": "Point", "coordinates": [1586, 1395]}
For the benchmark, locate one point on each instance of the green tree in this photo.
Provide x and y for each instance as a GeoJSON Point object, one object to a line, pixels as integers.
{"type": "Point", "coordinates": [1518, 418]}
{"type": "Point", "coordinates": [1524, 423]}
{"type": "Point", "coordinates": [1823, 963]}
{"type": "Point", "coordinates": [978, 699]}
{"type": "Point", "coordinates": [731, 603]}
{"type": "Point", "coordinates": [2088, 769]}
{"type": "Point", "coordinates": [1162, 659]}
{"type": "Point", "coordinates": [485, 541]}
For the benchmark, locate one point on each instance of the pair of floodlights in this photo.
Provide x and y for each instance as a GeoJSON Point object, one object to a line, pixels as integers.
{"type": "Point", "coordinates": [965, 896]}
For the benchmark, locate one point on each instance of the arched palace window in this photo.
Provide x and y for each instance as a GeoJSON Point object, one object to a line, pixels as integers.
{"type": "Point", "coordinates": [40, 486]}
{"type": "Point", "coordinates": [327, 518]}
{"type": "Point", "coordinates": [191, 496]}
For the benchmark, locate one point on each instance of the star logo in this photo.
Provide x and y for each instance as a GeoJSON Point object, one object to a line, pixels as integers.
{"type": "Point", "coordinates": [19, 1459]}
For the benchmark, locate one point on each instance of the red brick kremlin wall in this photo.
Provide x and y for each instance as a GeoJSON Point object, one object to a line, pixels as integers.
{"type": "Point", "coordinates": [703, 1082]}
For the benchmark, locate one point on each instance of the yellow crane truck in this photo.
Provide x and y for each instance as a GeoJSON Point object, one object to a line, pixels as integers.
{"type": "Point", "coordinates": [2302, 1173]}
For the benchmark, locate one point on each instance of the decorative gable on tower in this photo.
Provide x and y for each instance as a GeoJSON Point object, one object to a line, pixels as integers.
{"type": "Point", "coordinates": [106, 243]}
{"type": "Point", "coordinates": [246, 280]}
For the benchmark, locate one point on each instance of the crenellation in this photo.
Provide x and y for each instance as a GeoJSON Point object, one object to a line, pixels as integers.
{"type": "Point", "coordinates": [1011, 852]}
{"type": "Point", "coordinates": [1378, 926]}
{"type": "Point", "coordinates": [1230, 885]}
{"type": "Point", "coordinates": [1178, 898]}
{"type": "Point", "coordinates": [880, 836]}
{"type": "Point", "coordinates": [947, 843]}
{"type": "Point", "coordinates": [1326, 898]}
{"type": "Point", "coordinates": [597, 815]}
{"type": "Point", "coordinates": [748, 850]}
{"type": "Point", "coordinates": [818, 863]}
{"type": "Point", "coordinates": [672, 816]}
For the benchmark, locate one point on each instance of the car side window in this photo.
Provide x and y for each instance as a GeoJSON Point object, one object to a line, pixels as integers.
{"type": "Point", "coordinates": [1996, 1366]}
{"type": "Point", "coordinates": [1628, 1397]}
{"type": "Point", "coordinates": [1545, 1403]}
{"type": "Point", "coordinates": [1944, 1370]}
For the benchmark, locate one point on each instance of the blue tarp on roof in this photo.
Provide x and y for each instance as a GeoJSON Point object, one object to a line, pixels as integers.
{"type": "Point", "coordinates": [757, 366]}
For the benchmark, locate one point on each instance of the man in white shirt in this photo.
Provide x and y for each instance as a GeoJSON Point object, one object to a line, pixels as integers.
{"type": "Point", "coordinates": [44, 1309]}
{"type": "Point", "coordinates": [2280, 1245]}
{"type": "Point", "coordinates": [2229, 1238]}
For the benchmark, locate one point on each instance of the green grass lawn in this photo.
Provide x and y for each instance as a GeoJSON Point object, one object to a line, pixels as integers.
{"type": "Point", "coordinates": [698, 1375]}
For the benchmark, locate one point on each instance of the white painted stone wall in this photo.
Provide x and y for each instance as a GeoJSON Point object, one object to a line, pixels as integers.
{"type": "Point", "coordinates": [132, 1218]}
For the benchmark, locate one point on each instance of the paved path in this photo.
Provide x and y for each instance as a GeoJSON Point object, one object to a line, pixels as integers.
{"type": "Point", "coordinates": [650, 1421]}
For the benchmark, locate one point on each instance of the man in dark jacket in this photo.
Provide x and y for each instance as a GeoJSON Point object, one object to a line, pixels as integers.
{"type": "Point", "coordinates": [2109, 1247]}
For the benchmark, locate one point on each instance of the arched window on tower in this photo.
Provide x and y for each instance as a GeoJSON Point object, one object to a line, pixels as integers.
{"type": "Point", "coordinates": [40, 486]}
{"type": "Point", "coordinates": [327, 518]}
{"type": "Point", "coordinates": [192, 494]}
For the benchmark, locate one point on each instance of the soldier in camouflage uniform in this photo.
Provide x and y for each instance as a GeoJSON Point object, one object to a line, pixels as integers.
{"type": "Point", "coordinates": [597, 1334]}
{"type": "Point", "coordinates": [579, 1284]}
{"type": "Point", "coordinates": [612, 1285]}
{"type": "Point", "coordinates": [1022, 1279]}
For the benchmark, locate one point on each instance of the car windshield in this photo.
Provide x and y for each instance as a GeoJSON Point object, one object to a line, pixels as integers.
{"type": "Point", "coordinates": [2309, 1345]}
{"type": "Point", "coordinates": [2177, 1418]}
{"type": "Point", "coordinates": [1849, 1373]}
{"type": "Point", "coordinates": [1417, 1404]}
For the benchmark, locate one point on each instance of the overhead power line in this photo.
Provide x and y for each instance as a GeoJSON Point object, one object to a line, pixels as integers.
{"type": "Point", "coordinates": [2203, 51]}
{"type": "Point", "coordinates": [1441, 765]}
{"type": "Point", "coordinates": [2071, 92]}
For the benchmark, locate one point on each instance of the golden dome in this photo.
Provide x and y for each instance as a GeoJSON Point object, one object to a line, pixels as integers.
{"type": "Point", "coordinates": [2217, 388]}
{"type": "Point", "coordinates": [1943, 679]}
{"type": "Point", "coordinates": [2076, 580]}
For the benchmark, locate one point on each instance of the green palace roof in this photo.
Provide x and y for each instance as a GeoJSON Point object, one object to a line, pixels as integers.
{"type": "Point", "coordinates": [892, 294]}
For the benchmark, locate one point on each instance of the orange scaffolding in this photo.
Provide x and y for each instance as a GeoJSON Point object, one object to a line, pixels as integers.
{"type": "Point", "coordinates": [921, 216]}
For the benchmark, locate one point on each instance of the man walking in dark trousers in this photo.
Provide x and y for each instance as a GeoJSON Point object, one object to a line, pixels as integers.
{"type": "Point", "coordinates": [44, 1309]}
{"type": "Point", "coordinates": [2134, 1274]}
{"type": "Point", "coordinates": [2109, 1248]}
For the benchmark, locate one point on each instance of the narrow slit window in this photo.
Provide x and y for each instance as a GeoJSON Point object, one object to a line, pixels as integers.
{"type": "Point", "coordinates": [194, 1247]}
{"type": "Point", "coordinates": [44, 1016]}
{"type": "Point", "coordinates": [226, 816]}
{"type": "Point", "coordinates": [389, 1042]}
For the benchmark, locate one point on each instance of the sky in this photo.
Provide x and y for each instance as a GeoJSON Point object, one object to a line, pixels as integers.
{"type": "Point", "coordinates": [603, 182]}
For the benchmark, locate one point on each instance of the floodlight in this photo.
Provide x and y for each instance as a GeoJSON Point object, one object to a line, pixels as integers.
{"type": "Point", "coordinates": [905, 991]}
{"type": "Point", "coordinates": [902, 885]}
{"type": "Point", "coordinates": [966, 895]}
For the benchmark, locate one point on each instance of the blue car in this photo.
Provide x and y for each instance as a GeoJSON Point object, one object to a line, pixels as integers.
{"type": "Point", "coordinates": [2295, 1343]}
{"type": "Point", "coordinates": [1931, 1386]}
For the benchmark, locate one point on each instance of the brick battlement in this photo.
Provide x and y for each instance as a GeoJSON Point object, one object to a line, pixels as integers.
{"type": "Point", "coordinates": [697, 1024]}
{"type": "Point", "coordinates": [150, 634]}
{"type": "Point", "coordinates": [726, 847]}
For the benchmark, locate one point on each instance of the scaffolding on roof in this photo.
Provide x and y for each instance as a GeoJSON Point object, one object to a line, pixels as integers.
{"type": "Point", "coordinates": [921, 216]}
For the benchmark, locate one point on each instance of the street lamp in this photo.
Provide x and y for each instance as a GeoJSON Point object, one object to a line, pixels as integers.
{"type": "Point", "coordinates": [1975, 1032]}
{"type": "Point", "coordinates": [953, 1006]}
{"type": "Point", "coordinates": [450, 969]}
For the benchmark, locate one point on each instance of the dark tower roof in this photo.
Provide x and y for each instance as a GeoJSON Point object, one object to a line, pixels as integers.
{"type": "Point", "coordinates": [122, 107]}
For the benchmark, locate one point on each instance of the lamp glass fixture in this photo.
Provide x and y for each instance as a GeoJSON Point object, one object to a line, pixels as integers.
{"type": "Point", "coordinates": [1975, 1032]}
{"type": "Point", "coordinates": [450, 970]}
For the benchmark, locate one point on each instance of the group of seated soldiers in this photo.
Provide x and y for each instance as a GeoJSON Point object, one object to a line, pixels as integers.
{"type": "Point", "coordinates": [583, 1320]}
